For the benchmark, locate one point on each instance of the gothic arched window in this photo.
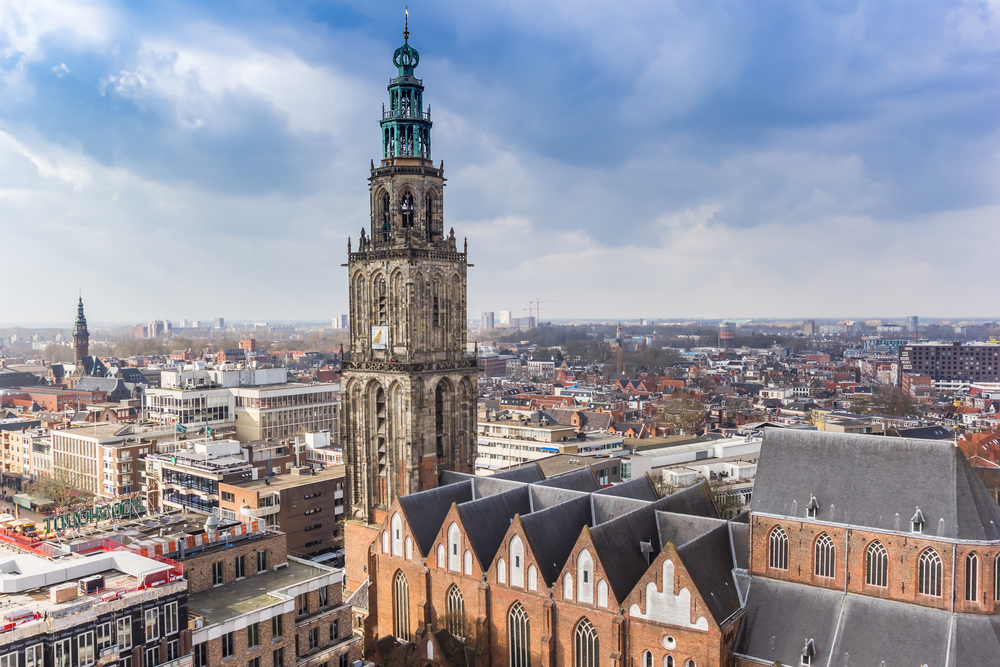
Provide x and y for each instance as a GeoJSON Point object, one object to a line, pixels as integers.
{"type": "Point", "coordinates": [454, 544]}
{"type": "Point", "coordinates": [429, 216]}
{"type": "Point", "coordinates": [406, 208]}
{"type": "Point", "coordinates": [517, 562]}
{"type": "Point", "coordinates": [455, 605]}
{"type": "Point", "coordinates": [585, 645]}
{"type": "Point", "coordinates": [401, 607]}
{"type": "Point", "coordinates": [585, 577]}
{"type": "Point", "coordinates": [929, 572]}
{"type": "Point", "coordinates": [381, 453]}
{"type": "Point", "coordinates": [386, 221]}
{"type": "Point", "coordinates": [877, 565]}
{"type": "Point", "coordinates": [778, 549]}
{"type": "Point", "coordinates": [825, 556]}
{"type": "Point", "coordinates": [519, 636]}
{"type": "Point", "coordinates": [972, 577]}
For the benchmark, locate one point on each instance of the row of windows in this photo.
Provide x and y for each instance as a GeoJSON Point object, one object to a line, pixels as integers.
{"type": "Point", "coordinates": [449, 558]}
{"type": "Point", "coordinates": [929, 565]}
{"type": "Point", "coordinates": [90, 644]}
{"type": "Point", "coordinates": [239, 567]}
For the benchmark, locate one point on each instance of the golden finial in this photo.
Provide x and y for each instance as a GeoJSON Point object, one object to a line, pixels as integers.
{"type": "Point", "coordinates": [406, 25]}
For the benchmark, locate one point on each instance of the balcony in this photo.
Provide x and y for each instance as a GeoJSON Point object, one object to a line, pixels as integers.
{"type": "Point", "coordinates": [261, 512]}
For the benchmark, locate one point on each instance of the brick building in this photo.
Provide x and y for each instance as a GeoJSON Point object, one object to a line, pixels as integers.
{"type": "Point", "coordinates": [111, 608]}
{"type": "Point", "coordinates": [966, 362]}
{"type": "Point", "coordinates": [530, 571]}
{"type": "Point", "coordinates": [883, 550]}
{"type": "Point", "coordinates": [306, 504]}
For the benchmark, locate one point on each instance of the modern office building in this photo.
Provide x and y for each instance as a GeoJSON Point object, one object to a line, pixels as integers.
{"type": "Point", "coordinates": [951, 362]}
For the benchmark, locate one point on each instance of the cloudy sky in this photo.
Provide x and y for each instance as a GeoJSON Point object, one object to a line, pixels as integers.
{"type": "Point", "coordinates": [655, 159]}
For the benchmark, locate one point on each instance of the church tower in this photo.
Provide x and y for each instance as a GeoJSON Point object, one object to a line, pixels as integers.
{"type": "Point", "coordinates": [81, 335]}
{"type": "Point", "coordinates": [409, 388]}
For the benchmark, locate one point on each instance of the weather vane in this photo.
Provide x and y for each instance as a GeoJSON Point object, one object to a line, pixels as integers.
{"type": "Point", "coordinates": [406, 24]}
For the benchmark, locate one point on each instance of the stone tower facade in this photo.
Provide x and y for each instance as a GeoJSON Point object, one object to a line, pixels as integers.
{"type": "Point", "coordinates": [81, 335]}
{"type": "Point", "coordinates": [409, 388]}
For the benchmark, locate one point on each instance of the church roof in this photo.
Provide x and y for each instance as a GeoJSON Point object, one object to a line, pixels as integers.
{"type": "Point", "coordinates": [870, 630]}
{"type": "Point", "coordinates": [875, 482]}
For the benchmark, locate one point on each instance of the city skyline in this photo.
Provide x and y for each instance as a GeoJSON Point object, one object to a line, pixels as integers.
{"type": "Point", "coordinates": [164, 157]}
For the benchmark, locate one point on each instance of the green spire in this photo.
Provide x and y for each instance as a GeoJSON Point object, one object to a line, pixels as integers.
{"type": "Point", "coordinates": [81, 319]}
{"type": "Point", "coordinates": [406, 126]}
{"type": "Point", "coordinates": [406, 57]}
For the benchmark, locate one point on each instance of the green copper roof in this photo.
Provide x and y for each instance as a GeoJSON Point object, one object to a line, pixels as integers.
{"type": "Point", "coordinates": [406, 58]}
{"type": "Point", "coordinates": [81, 320]}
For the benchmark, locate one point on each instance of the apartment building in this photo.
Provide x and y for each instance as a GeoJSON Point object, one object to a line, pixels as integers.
{"type": "Point", "coordinates": [186, 476]}
{"type": "Point", "coordinates": [951, 365]}
{"type": "Point", "coordinates": [102, 458]}
{"type": "Point", "coordinates": [108, 608]}
{"type": "Point", "coordinates": [282, 411]}
{"type": "Point", "coordinates": [508, 440]}
{"type": "Point", "coordinates": [274, 408]}
{"type": "Point", "coordinates": [307, 505]}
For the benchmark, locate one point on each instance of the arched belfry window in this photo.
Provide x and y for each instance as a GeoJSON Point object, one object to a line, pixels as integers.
{"type": "Point", "coordinates": [825, 556]}
{"type": "Point", "coordinates": [429, 216]}
{"type": "Point", "coordinates": [518, 636]}
{"type": "Point", "coordinates": [439, 437]}
{"type": "Point", "coordinates": [585, 645]}
{"type": "Point", "coordinates": [778, 549]}
{"type": "Point", "coordinates": [406, 209]}
{"type": "Point", "coordinates": [929, 571]}
{"type": "Point", "coordinates": [401, 607]}
{"type": "Point", "coordinates": [877, 565]}
{"type": "Point", "coordinates": [386, 221]}
{"type": "Point", "coordinates": [381, 449]}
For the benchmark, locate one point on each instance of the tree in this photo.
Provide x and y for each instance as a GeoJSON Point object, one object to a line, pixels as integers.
{"type": "Point", "coordinates": [685, 415]}
{"type": "Point", "coordinates": [728, 502]}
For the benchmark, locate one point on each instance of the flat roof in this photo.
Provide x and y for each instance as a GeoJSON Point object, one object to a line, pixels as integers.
{"type": "Point", "coordinates": [286, 480]}
{"type": "Point", "coordinates": [250, 594]}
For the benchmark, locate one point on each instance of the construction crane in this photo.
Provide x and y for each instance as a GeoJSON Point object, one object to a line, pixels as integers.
{"type": "Point", "coordinates": [538, 309]}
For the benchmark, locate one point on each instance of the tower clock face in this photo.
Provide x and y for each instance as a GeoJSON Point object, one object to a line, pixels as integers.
{"type": "Point", "coordinates": [380, 336]}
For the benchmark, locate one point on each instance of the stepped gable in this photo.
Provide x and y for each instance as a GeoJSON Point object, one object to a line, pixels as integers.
{"type": "Point", "coordinates": [866, 480]}
{"type": "Point", "coordinates": [486, 520]}
{"type": "Point", "coordinates": [553, 532]}
{"type": "Point", "coordinates": [425, 511]}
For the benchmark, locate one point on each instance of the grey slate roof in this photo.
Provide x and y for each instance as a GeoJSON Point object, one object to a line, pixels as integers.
{"type": "Point", "coordinates": [578, 480]}
{"type": "Point", "coordinates": [426, 511]}
{"type": "Point", "coordinates": [553, 532]}
{"type": "Point", "coordinates": [709, 560]}
{"type": "Point", "coordinates": [870, 631]}
{"type": "Point", "coordinates": [866, 480]}
{"type": "Point", "coordinates": [543, 497]}
{"type": "Point", "coordinates": [486, 520]}
{"type": "Point", "coordinates": [606, 508]}
{"type": "Point", "coordinates": [529, 473]}
{"type": "Point", "coordinates": [640, 488]}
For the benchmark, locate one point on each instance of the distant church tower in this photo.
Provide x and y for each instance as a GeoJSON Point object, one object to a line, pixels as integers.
{"type": "Point", "coordinates": [409, 388]}
{"type": "Point", "coordinates": [81, 335]}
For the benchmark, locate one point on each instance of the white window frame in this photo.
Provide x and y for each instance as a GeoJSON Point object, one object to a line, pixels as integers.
{"type": "Point", "coordinates": [85, 645]}
{"type": "Point", "coordinates": [155, 658]}
{"type": "Point", "coordinates": [124, 628]}
{"type": "Point", "coordinates": [8, 659]}
{"type": "Point", "coordinates": [34, 656]}
{"type": "Point", "coordinates": [66, 659]}
{"type": "Point", "coordinates": [105, 638]}
{"type": "Point", "coordinates": [170, 609]}
{"type": "Point", "coordinates": [153, 614]}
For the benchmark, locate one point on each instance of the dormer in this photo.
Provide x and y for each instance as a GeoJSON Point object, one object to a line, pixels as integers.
{"type": "Point", "coordinates": [808, 653]}
{"type": "Point", "coordinates": [812, 509]}
{"type": "Point", "coordinates": [917, 522]}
